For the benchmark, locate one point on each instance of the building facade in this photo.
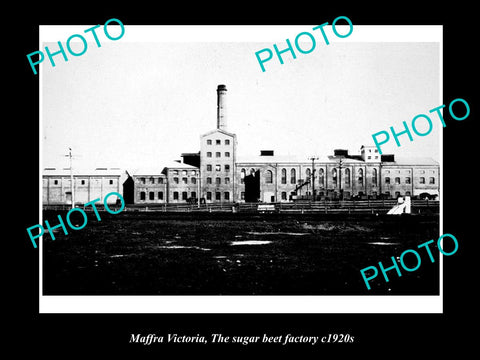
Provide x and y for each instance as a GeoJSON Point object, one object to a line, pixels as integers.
{"type": "Point", "coordinates": [88, 185]}
{"type": "Point", "coordinates": [216, 174]}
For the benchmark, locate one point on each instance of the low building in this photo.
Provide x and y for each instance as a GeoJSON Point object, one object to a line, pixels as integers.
{"type": "Point", "coordinates": [88, 185]}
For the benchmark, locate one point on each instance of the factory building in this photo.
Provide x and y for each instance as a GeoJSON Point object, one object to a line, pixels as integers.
{"type": "Point", "coordinates": [217, 174]}
{"type": "Point", "coordinates": [88, 185]}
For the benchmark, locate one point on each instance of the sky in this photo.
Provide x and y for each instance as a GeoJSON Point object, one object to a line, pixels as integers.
{"type": "Point", "coordinates": [140, 103]}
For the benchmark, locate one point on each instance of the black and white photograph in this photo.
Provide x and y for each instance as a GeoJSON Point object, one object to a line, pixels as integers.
{"type": "Point", "coordinates": [287, 186]}
{"type": "Point", "coordinates": [238, 181]}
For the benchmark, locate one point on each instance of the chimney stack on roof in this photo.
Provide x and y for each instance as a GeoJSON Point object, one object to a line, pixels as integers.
{"type": "Point", "coordinates": [221, 107]}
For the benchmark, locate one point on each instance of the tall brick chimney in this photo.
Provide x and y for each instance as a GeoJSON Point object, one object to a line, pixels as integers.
{"type": "Point", "coordinates": [221, 107]}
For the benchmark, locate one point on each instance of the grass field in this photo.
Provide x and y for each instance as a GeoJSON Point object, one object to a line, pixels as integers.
{"type": "Point", "coordinates": [235, 254]}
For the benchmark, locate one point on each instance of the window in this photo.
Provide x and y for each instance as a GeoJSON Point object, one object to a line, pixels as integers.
{"type": "Point", "coordinates": [152, 180]}
{"type": "Point", "coordinates": [142, 195]}
{"type": "Point", "coordinates": [209, 180]}
{"type": "Point", "coordinates": [209, 167]}
{"type": "Point", "coordinates": [218, 167]}
{"type": "Point", "coordinates": [175, 180]}
{"type": "Point", "coordinates": [284, 176]}
{"type": "Point", "coordinates": [397, 194]}
{"type": "Point", "coordinates": [432, 180]}
{"type": "Point", "coordinates": [387, 180]}
{"type": "Point", "coordinates": [422, 171]}
{"type": "Point", "coordinates": [217, 154]}
{"type": "Point", "coordinates": [55, 182]}
{"type": "Point", "coordinates": [142, 180]}
{"type": "Point", "coordinates": [193, 172]}
{"type": "Point", "coordinates": [184, 172]}
{"type": "Point", "coordinates": [376, 157]}
{"type": "Point", "coordinates": [209, 154]}
{"type": "Point", "coordinates": [226, 196]}
{"type": "Point", "coordinates": [227, 180]}
{"type": "Point", "coordinates": [194, 180]}
{"type": "Point", "coordinates": [321, 177]}
{"type": "Point", "coordinates": [407, 180]}
{"type": "Point", "coordinates": [308, 173]}
{"type": "Point", "coordinates": [175, 172]}
{"type": "Point", "coordinates": [160, 180]}
{"type": "Point", "coordinates": [160, 195]}
{"type": "Point", "coordinates": [218, 181]}
{"type": "Point", "coordinates": [227, 142]}
{"type": "Point", "coordinates": [374, 176]}
{"type": "Point", "coordinates": [83, 182]}
{"type": "Point", "coordinates": [284, 195]}
{"type": "Point", "coordinates": [293, 176]}
{"type": "Point", "coordinates": [347, 176]}
{"type": "Point", "coordinates": [185, 180]}
{"type": "Point", "coordinates": [242, 176]}
{"type": "Point", "coordinates": [422, 180]}
{"type": "Point", "coordinates": [334, 177]}
{"type": "Point", "coordinates": [209, 142]}
{"type": "Point", "coordinates": [360, 176]}
{"type": "Point", "coordinates": [209, 195]}
{"type": "Point", "coordinates": [376, 150]}
{"type": "Point", "coordinates": [218, 141]}
{"type": "Point", "coordinates": [407, 193]}
{"type": "Point", "coordinates": [151, 195]}
{"type": "Point", "coordinates": [193, 195]}
{"type": "Point", "coordinates": [227, 168]}
{"type": "Point", "coordinates": [242, 195]}
{"type": "Point", "coordinates": [397, 180]}
{"type": "Point", "coordinates": [227, 154]}
{"type": "Point", "coordinates": [369, 157]}
{"type": "Point", "coordinates": [268, 177]}
{"type": "Point", "coordinates": [184, 195]}
{"type": "Point", "coordinates": [175, 195]}
{"type": "Point", "coordinates": [218, 196]}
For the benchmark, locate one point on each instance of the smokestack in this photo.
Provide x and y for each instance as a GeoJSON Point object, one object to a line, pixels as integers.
{"type": "Point", "coordinates": [221, 107]}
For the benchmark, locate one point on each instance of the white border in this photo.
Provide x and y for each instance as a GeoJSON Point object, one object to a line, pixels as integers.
{"type": "Point", "coordinates": [244, 304]}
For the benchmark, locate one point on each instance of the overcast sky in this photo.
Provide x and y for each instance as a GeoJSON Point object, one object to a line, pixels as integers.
{"type": "Point", "coordinates": [137, 104]}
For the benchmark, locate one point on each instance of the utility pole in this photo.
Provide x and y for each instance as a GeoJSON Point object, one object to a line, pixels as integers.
{"type": "Point", "coordinates": [313, 158]}
{"type": "Point", "coordinates": [340, 163]}
{"type": "Point", "coordinates": [71, 177]}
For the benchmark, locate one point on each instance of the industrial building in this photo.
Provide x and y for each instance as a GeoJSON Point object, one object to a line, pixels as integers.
{"type": "Point", "coordinates": [217, 174]}
{"type": "Point", "coordinates": [87, 185]}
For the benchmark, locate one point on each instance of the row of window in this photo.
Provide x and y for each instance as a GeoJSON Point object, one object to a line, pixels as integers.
{"type": "Point", "coordinates": [151, 195]}
{"type": "Point", "coordinates": [176, 180]}
{"type": "Point", "coordinates": [151, 180]}
{"type": "Point", "coordinates": [218, 154]}
{"type": "Point", "coordinates": [218, 167]}
{"type": "Point", "coordinates": [218, 142]}
{"type": "Point", "coordinates": [421, 180]}
{"type": "Point", "coordinates": [346, 176]}
{"type": "Point", "coordinates": [218, 180]}
{"type": "Point", "coordinates": [218, 196]}
{"type": "Point", "coordinates": [83, 182]}
{"type": "Point", "coordinates": [184, 172]}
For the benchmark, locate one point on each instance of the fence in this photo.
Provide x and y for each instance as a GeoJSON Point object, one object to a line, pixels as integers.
{"type": "Point", "coordinates": [324, 206]}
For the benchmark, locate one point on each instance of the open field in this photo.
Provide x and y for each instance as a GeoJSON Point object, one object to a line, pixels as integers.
{"type": "Point", "coordinates": [155, 253]}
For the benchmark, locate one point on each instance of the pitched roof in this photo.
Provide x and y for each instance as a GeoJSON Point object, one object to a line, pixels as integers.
{"type": "Point", "coordinates": [82, 172]}
{"type": "Point", "coordinates": [293, 159]}
{"type": "Point", "coordinates": [412, 161]}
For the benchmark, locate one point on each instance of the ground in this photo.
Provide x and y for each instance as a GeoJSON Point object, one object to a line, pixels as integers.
{"type": "Point", "coordinates": [150, 253]}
